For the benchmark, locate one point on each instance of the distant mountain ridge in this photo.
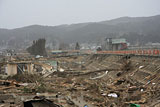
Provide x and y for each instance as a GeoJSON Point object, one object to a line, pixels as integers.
{"type": "Point", "coordinates": [134, 29]}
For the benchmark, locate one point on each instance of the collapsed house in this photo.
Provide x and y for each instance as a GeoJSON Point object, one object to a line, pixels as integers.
{"type": "Point", "coordinates": [39, 102]}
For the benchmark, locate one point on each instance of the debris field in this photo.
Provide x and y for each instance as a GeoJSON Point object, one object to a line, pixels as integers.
{"type": "Point", "coordinates": [96, 80]}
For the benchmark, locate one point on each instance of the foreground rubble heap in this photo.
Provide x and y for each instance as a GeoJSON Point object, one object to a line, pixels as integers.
{"type": "Point", "coordinates": [94, 80]}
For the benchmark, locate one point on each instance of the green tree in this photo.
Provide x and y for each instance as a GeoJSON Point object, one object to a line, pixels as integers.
{"type": "Point", "coordinates": [77, 46]}
{"type": "Point", "coordinates": [38, 47]}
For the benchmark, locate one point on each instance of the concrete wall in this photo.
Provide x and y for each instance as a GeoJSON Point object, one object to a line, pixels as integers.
{"type": "Point", "coordinates": [117, 46]}
{"type": "Point", "coordinates": [11, 69]}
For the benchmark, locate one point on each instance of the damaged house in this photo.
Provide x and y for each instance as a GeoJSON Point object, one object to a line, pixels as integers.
{"type": "Point", "coordinates": [13, 68]}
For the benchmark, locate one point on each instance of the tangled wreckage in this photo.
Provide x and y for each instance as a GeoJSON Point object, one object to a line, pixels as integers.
{"type": "Point", "coordinates": [96, 80]}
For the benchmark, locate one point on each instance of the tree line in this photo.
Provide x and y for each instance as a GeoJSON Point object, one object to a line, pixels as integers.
{"type": "Point", "coordinates": [38, 47]}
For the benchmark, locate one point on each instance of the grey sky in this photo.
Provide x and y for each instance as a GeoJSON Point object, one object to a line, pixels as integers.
{"type": "Point", "coordinates": [18, 13]}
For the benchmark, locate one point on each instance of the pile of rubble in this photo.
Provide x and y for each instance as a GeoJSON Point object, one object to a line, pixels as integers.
{"type": "Point", "coordinates": [106, 81]}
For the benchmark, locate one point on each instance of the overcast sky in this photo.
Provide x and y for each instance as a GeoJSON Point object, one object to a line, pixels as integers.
{"type": "Point", "coordinates": [19, 13]}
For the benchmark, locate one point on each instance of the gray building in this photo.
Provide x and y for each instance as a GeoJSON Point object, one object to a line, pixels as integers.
{"type": "Point", "coordinates": [114, 44]}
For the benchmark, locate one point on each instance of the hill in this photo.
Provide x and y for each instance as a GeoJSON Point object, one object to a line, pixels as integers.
{"type": "Point", "coordinates": [135, 29]}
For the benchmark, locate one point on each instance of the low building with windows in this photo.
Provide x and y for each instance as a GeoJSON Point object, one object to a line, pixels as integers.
{"type": "Point", "coordinates": [114, 44]}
